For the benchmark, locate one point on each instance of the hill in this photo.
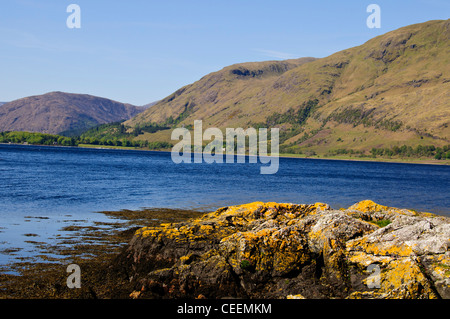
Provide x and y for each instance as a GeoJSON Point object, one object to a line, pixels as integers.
{"type": "Point", "coordinates": [62, 113]}
{"type": "Point", "coordinates": [391, 91]}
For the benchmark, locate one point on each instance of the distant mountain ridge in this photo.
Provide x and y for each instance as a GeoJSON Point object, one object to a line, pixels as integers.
{"type": "Point", "coordinates": [62, 113]}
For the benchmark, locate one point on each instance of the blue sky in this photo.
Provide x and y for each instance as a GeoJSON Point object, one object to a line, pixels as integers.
{"type": "Point", "coordinates": [141, 51]}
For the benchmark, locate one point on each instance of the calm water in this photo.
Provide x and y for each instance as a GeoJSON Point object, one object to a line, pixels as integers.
{"type": "Point", "coordinates": [43, 189]}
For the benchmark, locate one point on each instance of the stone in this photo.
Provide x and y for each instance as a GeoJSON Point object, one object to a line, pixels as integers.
{"type": "Point", "coordinates": [273, 250]}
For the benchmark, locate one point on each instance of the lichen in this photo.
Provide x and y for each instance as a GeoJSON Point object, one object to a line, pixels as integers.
{"type": "Point", "coordinates": [404, 279]}
{"type": "Point", "coordinates": [368, 206]}
{"type": "Point", "coordinates": [259, 241]}
{"type": "Point", "coordinates": [380, 249]}
{"type": "Point", "coordinates": [296, 296]}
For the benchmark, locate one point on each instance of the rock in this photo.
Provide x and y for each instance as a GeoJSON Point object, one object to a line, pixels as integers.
{"type": "Point", "coordinates": [271, 250]}
{"type": "Point", "coordinates": [135, 294]}
{"type": "Point", "coordinates": [298, 296]}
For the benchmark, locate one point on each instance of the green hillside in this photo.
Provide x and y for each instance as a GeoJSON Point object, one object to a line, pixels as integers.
{"type": "Point", "coordinates": [389, 92]}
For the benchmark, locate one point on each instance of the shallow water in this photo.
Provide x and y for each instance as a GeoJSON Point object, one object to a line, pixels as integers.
{"type": "Point", "coordinates": [43, 189]}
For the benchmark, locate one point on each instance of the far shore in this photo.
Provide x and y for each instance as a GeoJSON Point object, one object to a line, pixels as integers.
{"type": "Point", "coordinates": [428, 161]}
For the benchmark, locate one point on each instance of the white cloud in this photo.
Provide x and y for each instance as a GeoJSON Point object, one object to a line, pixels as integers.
{"type": "Point", "coordinates": [277, 54]}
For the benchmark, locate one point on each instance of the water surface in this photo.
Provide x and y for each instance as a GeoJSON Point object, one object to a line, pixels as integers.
{"type": "Point", "coordinates": [43, 189]}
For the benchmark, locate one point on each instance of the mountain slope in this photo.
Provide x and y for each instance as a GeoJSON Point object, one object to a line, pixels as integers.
{"type": "Point", "coordinates": [62, 113]}
{"type": "Point", "coordinates": [392, 90]}
{"type": "Point", "coordinates": [215, 93]}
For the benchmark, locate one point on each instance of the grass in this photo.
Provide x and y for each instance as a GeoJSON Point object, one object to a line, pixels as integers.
{"type": "Point", "coordinates": [245, 264]}
{"type": "Point", "coordinates": [382, 222]}
{"type": "Point", "coordinates": [445, 267]}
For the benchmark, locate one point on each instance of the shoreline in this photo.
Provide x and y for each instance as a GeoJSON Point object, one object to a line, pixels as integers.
{"type": "Point", "coordinates": [99, 252]}
{"type": "Point", "coordinates": [428, 161]}
{"type": "Point", "coordinates": [94, 248]}
{"type": "Point", "coordinates": [425, 161]}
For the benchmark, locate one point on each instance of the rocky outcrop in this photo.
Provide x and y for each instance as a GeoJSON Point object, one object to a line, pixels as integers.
{"type": "Point", "coordinates": [271, 250]}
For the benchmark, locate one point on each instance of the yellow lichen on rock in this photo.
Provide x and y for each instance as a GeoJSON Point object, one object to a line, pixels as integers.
{"type": "Point", "coordinates": [135, 294]}
{"type": "Point", "coordinates": [288, 248]}
{"type": "Point", "coordinates": [147, 231]}
{"type": "Point", "coordinates": [368, 206]}
{"type": "Point", "coordinates": [265, 250]}
{"type": "Point", "coordinates": [380, 248]}
{"type": "Point", "coordinates": [404, 279]}
{"type": "Point", "coordinates": [297, 296]}
{"type": "Point", "coordinates": [439, 265]}
{"type": "Point", "coordinates": [364, 260]}
{"type": "Point", "coordinates": [321, 206]}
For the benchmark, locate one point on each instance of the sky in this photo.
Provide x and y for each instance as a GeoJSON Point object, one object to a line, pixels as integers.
{"type": "Point", "coordinates": [141, 51]}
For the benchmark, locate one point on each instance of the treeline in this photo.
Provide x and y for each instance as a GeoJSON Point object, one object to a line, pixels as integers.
{"type": "Point", "coordinates": [357, 116]}
{"type": "Point", "coordinates": [149, 128]}
{"type": "Point", "coordinates": [49, 139]}
{"type": "Point", "coordinates": [36, 138]}
{"type": "Point", "coordinates": [430, 151]}
{"type": "Point", "coordinates": [117, 134]}
{"type": "Point", "coordinates": [295, 117]}
{"type": "Point", "coordinates": [108, 131]}
{"type": "Point", "coordinates": [344, 151]}
{"type": "Point", "coordinates": [125, 142]}
{"type": "Point", "coordinates": [438, 153]}
{"type": "Point", "coordinates": [118, 131]}
{"type": "Point", "coordinates": [292, 116]}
